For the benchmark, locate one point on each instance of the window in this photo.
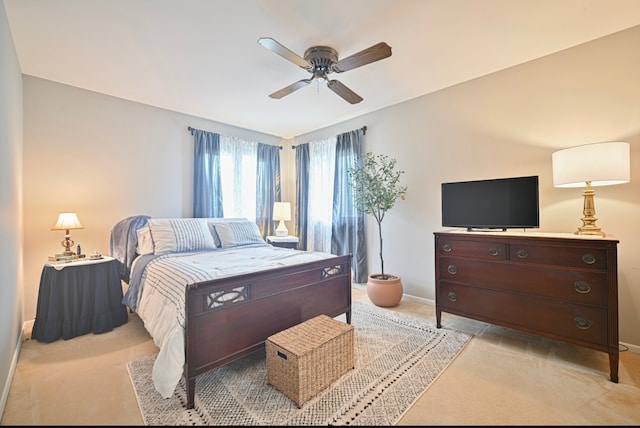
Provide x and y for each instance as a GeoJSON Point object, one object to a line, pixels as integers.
{"type": "Point", "coordinates": [322, 160]}
{"type": "Point", "coordinates": [238, 170]}
{"type": "Point", "coordinates": [233, 177]}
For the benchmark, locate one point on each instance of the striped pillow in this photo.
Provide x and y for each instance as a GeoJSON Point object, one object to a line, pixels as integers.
{"type": "Point", "coordinates": [178, 235]}
{"type": "Point", "coordinates": [236, 233]}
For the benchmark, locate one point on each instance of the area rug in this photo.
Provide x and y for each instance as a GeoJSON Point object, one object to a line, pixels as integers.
{"type": "Point", "coordinates": [396, 358]}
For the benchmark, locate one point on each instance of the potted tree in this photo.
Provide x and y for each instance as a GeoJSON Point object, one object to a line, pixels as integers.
{"type": "Point", "coordinates": [376, 188]}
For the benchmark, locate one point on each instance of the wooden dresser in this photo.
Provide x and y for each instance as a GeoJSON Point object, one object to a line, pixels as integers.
{"type": "Point", "coordinates": [561, 286]}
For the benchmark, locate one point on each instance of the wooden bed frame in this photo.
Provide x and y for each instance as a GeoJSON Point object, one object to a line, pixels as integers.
{"type": "Point", "coordinates": [228, 318]}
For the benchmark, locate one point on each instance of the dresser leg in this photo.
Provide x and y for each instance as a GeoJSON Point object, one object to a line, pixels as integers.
{"type": "Point", "coordinates": [614, 359]}
{"type": "Point", "coordinates": [438, 317]}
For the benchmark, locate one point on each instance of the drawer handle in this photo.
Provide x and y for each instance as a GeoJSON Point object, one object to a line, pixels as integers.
{"type": "Point", "coordinates": [452, 269]}
{"type": "Point", "coordinates": [582, 287]}
{"type": "Point", "coordinates": [588, 259]}
{"type": "Point", "coordinates": [493, 251]}
{"type": "Point", "coordinates": [522, 254]}
{"type": "Point", "coordinates": [582, 323]}
{"type": "Point", "coordinates": [447, 248]}
{"type": "Point", "coordinates": [452, 296]}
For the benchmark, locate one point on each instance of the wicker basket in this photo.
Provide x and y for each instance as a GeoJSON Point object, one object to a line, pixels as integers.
{"type": "Point", "coordinates": [305, 359]}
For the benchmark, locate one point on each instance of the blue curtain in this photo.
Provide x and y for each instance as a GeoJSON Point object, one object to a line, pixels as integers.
{"type": "Point", "coordinates": [268, 188]}
{"type": "Point", "coordinates": [302, 195]}
{"type": "Point", "coordinates": [207, 189]}
{"type": "Point", "coordinates": [207, 180]}
{"type": "Point", "coordinates": [347, 230]}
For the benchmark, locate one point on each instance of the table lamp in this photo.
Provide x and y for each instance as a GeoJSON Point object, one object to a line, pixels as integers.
{"type": "Point", "coordinates": [282, 213]}
{"type": "Point", "coordinates": [67, 221]}
{"type": "Point", "coordinates": [591, 165]}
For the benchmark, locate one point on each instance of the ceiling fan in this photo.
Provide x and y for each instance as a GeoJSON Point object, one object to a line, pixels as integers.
{"type": "Point", "coordinates": [321, 61]}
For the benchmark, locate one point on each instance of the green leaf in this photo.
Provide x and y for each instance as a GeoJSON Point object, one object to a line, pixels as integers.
{"type": "Point", "coordinates": [375, 182]}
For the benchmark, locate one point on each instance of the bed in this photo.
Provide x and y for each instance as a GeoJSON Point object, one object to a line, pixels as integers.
{"type": "Point", "coordinates": [210, 291]}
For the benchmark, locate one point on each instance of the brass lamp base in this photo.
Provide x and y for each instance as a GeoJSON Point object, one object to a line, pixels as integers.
{"type": "Point", "coordinates": [589, 211]}
{"type": "Point", "coordinates": [67, 243]}
{"type": "Point", "coordinates": [584, 230]}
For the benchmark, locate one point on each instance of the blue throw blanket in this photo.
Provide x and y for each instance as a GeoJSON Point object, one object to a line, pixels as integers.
{"type": "Point", "coordinates": [123, 242]}
{"type": "Point", "coordinates": [130, 298]}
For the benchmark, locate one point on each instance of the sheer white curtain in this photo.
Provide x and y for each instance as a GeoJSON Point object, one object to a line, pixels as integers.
{"type": "Point", "coordinates": [322, 161]}
{"type": "Point", "coordinates": [238, 169]}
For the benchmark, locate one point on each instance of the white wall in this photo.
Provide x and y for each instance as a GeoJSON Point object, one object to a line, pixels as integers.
{"type": "Point", "coordinates": [106, 158]}
{"type": "Point", "coordinates": [11, 287]}
{"type": "Point", "coordinates": [508, 124]}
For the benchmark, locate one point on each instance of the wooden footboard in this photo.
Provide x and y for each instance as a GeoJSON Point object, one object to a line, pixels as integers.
{"type": "Point", "coordinates": [229, 318]}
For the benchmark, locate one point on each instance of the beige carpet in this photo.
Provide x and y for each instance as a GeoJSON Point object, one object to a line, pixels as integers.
{"type": "Point", "coordinates": [396, 358]}
{"type": "Point", "coordinates": [507, 377]}
{"type": "Point", "coordinates": [501, 378]}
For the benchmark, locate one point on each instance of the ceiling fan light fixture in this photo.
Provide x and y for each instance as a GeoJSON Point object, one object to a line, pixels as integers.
{"type": "Point", "coordinates": [320, 61]}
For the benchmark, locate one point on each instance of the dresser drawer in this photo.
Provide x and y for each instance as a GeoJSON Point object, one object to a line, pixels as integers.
{"type": "Point", "coordinates": [555, 285]}
{"type": "Point", "coordinates": [577, 257]}
{"type": "Point", "coordinates": [474, 249]}
{"type": "Point", "coordinates": [579, 286]}
{"type": "Point", "coordinates": [584, 324]}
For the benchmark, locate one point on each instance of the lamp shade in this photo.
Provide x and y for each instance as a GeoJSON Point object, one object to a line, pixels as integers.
{"type": "Point", "coordinates": [602, 164]}
{"type": "Point", "coordinates": [282, 211]}
{"type": "Point", "coordinates": [67, 221]}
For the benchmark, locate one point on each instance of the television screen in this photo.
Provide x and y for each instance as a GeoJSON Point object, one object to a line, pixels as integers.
{"type": "Point", "coordinates": [500, 203]}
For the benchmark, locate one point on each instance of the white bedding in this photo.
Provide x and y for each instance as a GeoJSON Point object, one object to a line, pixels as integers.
{"type": "Point", "coordinates": [162, 293]}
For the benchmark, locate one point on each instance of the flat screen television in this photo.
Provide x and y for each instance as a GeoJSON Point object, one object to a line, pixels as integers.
{"type": "Point", "coordinates": [501, 203]}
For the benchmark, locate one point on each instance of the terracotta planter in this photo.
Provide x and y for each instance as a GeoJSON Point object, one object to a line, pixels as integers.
{"type": "Point", "coordinates": [384, 292]}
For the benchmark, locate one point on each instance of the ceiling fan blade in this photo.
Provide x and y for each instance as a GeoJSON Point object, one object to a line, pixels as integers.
{"type": "Point", "coordinates": [291, 88]}
{"type": "Point", "coordinates": [284, 52]}
{"type": "Point", "coordinates": [367, 56]}
{"type": "Point", "coordinates": [346, 93]}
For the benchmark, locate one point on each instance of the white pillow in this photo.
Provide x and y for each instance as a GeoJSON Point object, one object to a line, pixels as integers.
{"type": "Point", "coordinates": [177, 235]}
{"type": "Point", "coordinates": [235, 233]}
{"type": "Point", "coordinates": [145, 243]}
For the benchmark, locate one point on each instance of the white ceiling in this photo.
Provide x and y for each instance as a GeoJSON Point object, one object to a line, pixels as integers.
{"type": "Point", "coordinates": [201, 57]}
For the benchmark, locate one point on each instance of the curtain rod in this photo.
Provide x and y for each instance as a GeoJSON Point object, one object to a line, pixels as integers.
{"type": "Point", "coordinates": [192, 130]}
{"type": "Point", "coordinates": [363, 129]}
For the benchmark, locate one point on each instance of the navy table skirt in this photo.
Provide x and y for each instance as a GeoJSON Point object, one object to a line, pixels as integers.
{"type": "Point", "coordinates": [79, 298]}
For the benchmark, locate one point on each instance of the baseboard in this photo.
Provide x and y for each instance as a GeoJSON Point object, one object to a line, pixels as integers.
{"type": "Point", "coordinates": [7, 385]}
{"type": "Point", "coordinates": [27, 328]}
{"type": "Point", "coordinates": [420, 300]}
{"type": "Point", "coordinates": [635, 349]}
